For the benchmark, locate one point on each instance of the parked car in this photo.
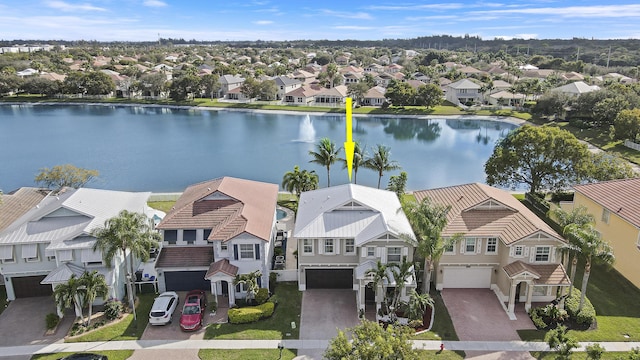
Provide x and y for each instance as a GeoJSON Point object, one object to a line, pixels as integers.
{"type": "Point", "coordinates": [163, 307]}
{"type": "Point", "coordinates": [193, 311]}
{"type": "Point", "coordinates": [84, 356]}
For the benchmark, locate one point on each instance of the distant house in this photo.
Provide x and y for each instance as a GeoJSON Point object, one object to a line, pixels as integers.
{"type": "Point", "coordinates": [374, 68]}
{"type": "Point", "coordinates": [504, 247]}
{"type": "Point", "coordinates": [303, 76]}
{"type": "Point", "coordinates": [616, 207]}
{"type": "Point", "coordinates": [228, 83]}
{"type": "Point", "coordinates": [374, 96]}
{"type": "Point", "coordinates": [331, 97]}
{"type": "Point", "coordinates": [506, 98]}
{"type": "Point", "coordinates": [218, 229]}
{"type": "Point", "coordinates": [462, 92]}
{"type": "Point", "coordinates": [304, 95]}
{"type": "Point", "coordinates": [285, 84]}
{"type": "Point", "coordinates": [352, 78]}
{"type": "Point", "coordinates": [576, 88]}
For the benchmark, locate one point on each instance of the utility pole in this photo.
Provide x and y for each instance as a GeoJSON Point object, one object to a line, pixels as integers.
{"type": "Point", "coordinates": [609, 56]}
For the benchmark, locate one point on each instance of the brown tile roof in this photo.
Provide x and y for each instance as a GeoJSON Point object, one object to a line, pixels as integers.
{"type": "Point", "coordinates": [546, 274]}
{"type": "Point", "coordinates": [511, 224]}
{"type": "Point", "coordinates": [222, 266]}
{"type": "Point", "coordinates": [185, 256]}
{"type": "Point", "coordinates": [621, 197]}
{"type": "Point", "coordinates": [17, 203]}
{"type": "Point", "coordinates": [249, 207]}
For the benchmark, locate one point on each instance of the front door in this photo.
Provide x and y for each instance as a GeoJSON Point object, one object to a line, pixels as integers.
{"type": "Point", "coordinates": [225, 287]}
{"type": "Point", "coordinates": [518, 292]}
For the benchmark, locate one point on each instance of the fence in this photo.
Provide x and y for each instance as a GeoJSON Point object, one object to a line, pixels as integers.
{"type": "Point", "coordinates": [632, 145]}
{"type": "Point", "coordinates": [286, 275]}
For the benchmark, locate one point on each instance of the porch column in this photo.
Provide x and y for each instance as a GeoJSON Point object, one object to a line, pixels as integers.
{"type": "Point", "coordinates": [512, 298]}
{"type": "Point", "coordinates": [361, 297]}
{"type": "Point", "coordinates": [214, 290]}
{"type": "Point", "coordinates": [232, 294]}
{"type": "Point", "coordinates": [527, 305]}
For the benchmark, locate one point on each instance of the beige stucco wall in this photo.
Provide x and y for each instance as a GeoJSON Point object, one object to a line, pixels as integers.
{"type": "Point", "coordinates": [620, 234]}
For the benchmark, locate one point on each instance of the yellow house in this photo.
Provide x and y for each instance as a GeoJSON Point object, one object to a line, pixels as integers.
{"type": "Point", "coordinates": [616, 208]}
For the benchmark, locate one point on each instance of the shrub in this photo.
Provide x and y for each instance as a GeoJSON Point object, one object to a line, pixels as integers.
{"type": "Point", "coordinates": [251, 313]}
{"type": "Point", "coordinates": [536, 317]}
{"type": "Point", "coordinates": [112, 309]}
{"type": "Point", "coordinates": [267, 309]}
{"type": "Point", "coordinates": [52, 320]}
{"type": "Point", "coordinates": [261, 296]}
{"type": "Point", "coordinates": [273, 278]}
{"type": "Point", "coordinates": [587, 315]}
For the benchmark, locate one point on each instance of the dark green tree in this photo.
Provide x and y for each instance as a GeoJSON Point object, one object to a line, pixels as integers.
{"type": "Point", "coordinates": [429, 96]}
{"type": "Point", "coordinates": [398, 184]}
{"type": "Point", "coordinates": [380, 161]}
{"type": "Point", "coordinates": [627, 125]}
{"type": "Point", "coordinates": [326, 154]}
{"type": "Point", "coordinates": [297, 181]}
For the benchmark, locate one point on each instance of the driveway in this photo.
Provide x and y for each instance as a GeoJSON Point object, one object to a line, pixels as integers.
{"type": "Point", "coordinates": [478, 316]}
{"type": "Point", "coordinates": [173, 331]}
{"type": "Point", "coordinates": [324, 311]}
{"type": "Point", "coordinates": [23, 322]}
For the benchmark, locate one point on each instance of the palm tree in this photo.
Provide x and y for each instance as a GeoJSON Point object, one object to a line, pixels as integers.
{"type": "Point", "coordinates": [378, 277]}
{"type": "Point", "coordinates": [427, 221]}
{"type": "Point", "coordinates": [326, 154]}
{"type": "Point", "coordinates": [128, 233]}
{"type": "Point", "coordinates": [593, 248]}
{"type": "Point", "coordinates": [70, 293]}
{"type": "Point", "coordinates": [417, 305]}
{"type": "Point", "coordinates": [94, 285]}
{"type": "Point", "coordinates": [400, 273]}
{"type": "Point", "coordinates": [380, 161]}
{"type": "Point", "coordinates": [250, 282]}
{"type": "Point", "coordinates": [359, 155]}
{"type": "Point", "coordinates": [297, 181]}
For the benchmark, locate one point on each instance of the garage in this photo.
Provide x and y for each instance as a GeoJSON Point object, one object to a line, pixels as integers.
{"type": "Point", "coordinates": [329, 278]}
{"type": "Point", "coordinates": [186, 280]}
{"type": "Point", "coordinates": [29, 286]}
{"type": "Point", "coordinates": [466, 277]}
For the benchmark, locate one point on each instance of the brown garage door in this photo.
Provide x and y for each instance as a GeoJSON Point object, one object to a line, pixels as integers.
{"type": "Point", "coordinates": [29, 286]}
{"type": "Point", "coordinates": [329, 278]}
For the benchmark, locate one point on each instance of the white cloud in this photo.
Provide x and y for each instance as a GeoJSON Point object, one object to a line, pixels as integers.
{"type": "Point", "coordinates": [263, 22]}
{"type": "Point", "coordinates": [64, 6]}
{"type": "Point", "coordinates": [433, 17]}
{"type": "Point", "coordinates": [526, 36]}
{"type": "Point", "coordinates": [353, 27]}
{"type": "Point", "coordinates": [348, 15]}
{"type": "Point", "coordinates": [413, 7]}
{"type": "Point", "coordinates": [599, 11]}
{"type": "Point", "coordinates": [154, 3]}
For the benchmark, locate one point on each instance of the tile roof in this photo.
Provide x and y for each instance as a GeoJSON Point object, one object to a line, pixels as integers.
{"type": "Point", "coordinates": [222, 266]}
{"type": "Point", "coordinates": [17, 203]}
{"type": "Point", "coordinates": [185, 256]}
{"type": "Point", "coordinates": [464, 84]}
{"type": "Point", "coordinates": [545, 274]}
{"type": "Point", "coordinates": [509, 219]}
{"type": "Point", "coordinates": [229, 206]}
{"type": "Point", "coordinates": [621, 197]}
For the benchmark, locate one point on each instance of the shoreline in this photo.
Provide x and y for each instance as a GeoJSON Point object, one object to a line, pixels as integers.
{"type": "Point", "coordinates": [507, 119]}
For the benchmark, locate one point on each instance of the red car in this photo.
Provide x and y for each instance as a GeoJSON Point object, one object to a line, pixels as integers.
{"type": "Point", "coordinates": [193, 310]}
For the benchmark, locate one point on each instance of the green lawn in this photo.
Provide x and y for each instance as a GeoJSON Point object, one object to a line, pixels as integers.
{"type": "Point", "coordinates": [246, 354]}
{"type": "Point", "coordinates": [111, 354]}
{"type": "Point", "coordinates": [127, 329]}
{"type": "Point", "coordinates": [578, 355]}
{"type": "Point", "coordinates": [442, 328]}
{"type": "Point", "coordinates": [615, 301]}
{"type": "Point", "coordinates": [3, 298]}
{"type": "Point", "coordinates": [274, 328]}
{"type": "Point", "coordinates": [161, 205]}
{"type": "Point", "coordinates": [445, 355]}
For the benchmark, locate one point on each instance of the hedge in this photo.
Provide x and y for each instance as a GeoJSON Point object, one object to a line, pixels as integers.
{"type": "Point", "coordinates": [587, 315]}
{"type": "Point", "coordinates": [262, 296]}
{"type": "Point", "coordinates": [251, 313]}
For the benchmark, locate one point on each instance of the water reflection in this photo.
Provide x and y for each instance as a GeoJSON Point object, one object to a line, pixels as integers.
{"type": "Point", "coordinates": [407, 129]}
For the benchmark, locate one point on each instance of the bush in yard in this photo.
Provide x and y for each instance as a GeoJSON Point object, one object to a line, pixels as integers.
{"type": "Point", "coordinates": [112, 309]}
{"type": "Point", "coordinates": [536, 317]}
{"type": "Point", "coordinates": [267, 309]}
{"type": "Point", "coordinates": [251, 313]}
{"type": "Point", "coordinates": [587, 315]}
{"type": "Point", "coordinates": [262, 295]}
{"type": "Point", "coordinates": [52, 320]}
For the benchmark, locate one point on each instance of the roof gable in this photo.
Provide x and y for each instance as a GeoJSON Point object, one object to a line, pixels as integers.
{"type": "Point", "coordinates": [617, 196]}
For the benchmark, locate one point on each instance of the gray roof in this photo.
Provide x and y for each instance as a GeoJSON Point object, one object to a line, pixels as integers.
{"type": "Point", "coordinates": [578, 87]}
{"type": "Point", "coordinates": [230, 79]}
{"type": "Point", "coordinates": [464, 84]}
{"type": "Point", "coordinates": [350, 211]}
{"type": "Point", "coordinates": [286, 81]}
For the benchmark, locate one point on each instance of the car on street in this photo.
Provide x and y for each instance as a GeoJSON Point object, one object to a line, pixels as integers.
{"type": "Point", "coordinates": [163, 307]}
{"type": "Point", "coordinates": [193, 311]}
{"type": "Point", "coordinates": [84, 356]}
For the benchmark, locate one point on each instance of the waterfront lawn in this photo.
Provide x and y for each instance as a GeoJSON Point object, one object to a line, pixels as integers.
{"type": "Point", "coordinates": [111, 354]}
{"type": "Point", "coordinates": [274, 328]}
{"type": "Point", "coordinates": [161, 205]}
{"type": "Point", "coordinates": [246, 354]}
{"type": "Point", "coordinates": [615, 301]}
{"type": "Point", "coordinates": [125, 329]}
{"type": "Point", "coordinates": [442, 328]}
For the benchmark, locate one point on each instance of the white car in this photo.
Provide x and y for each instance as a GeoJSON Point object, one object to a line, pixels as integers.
{"type": "Point", "coordinates": [163, 307]}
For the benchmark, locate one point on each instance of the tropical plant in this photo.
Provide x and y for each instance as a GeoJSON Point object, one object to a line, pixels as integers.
{"type": "Point", "coordinates": [250, 283]}
{"type": "Point", "coordinates": [70, 294]}
{"type": "Point", "coordinates": [359, 156]}
{"type": "Point", "coordinates": [128, 235]}
{"type": "Point", "coordinates": [378, 277]}
{"type": "Point", "coordinates": [326, 154]}
{"type": "Point", "coordinates": [417, 305]}
{"type": "Point", "coordinates": [593, 249]}
{"type": "Point", "coordinates": [595, 351]}
{"type": "Point", "coordinates": [94, 285]}
{"type": "Point", "coordinates": [398, 184]}
{"type": "Point", "coordinates": [372, 342]}
{"type": "Point", "coordinates": [381, 162]}
{"type": "Point", "coordinates": [561, 342]}
{"type": "Point", "coordinates": [297, 181]}
{"type": "Point", "coordinates": [400, 273]}
{"type": "Point", "coordinates": [427, 220]}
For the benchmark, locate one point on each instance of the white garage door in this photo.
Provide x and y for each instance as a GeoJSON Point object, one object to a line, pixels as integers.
{"type": "Point", "coordinates": [469, 278]}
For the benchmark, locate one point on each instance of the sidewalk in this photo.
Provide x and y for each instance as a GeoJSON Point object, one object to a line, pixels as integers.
{"type": "Point", "coordinates": [288, 344]}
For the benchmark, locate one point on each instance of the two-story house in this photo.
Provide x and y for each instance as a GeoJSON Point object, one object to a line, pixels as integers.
{"type": "Point", "coordinates": [343, 231]}
{"type": "Point", "coordinates": [615, 205]}
{"type": "Point", "coordinates": [504, 247]}
{"type": "Point", "coordinates": [218, 229]}
{"type": "Point", "coordinates": [462, 92]}
{"type": "Point", "coordinates": [53, 240]}
{"type": "Point", "coordinates": [284, 85]}
{"type": "Point", "coordinates": [229, 83]}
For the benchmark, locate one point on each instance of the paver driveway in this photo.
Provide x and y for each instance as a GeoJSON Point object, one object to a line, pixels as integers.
{"type": "Point", "coordinates": [23, 322]}
{"type": "Point", "coordinates": [324, 311]}
{"type": "Point", "coordinates": [478, 316]}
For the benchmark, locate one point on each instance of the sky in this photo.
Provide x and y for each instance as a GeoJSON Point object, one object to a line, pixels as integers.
{"type": "Point", "coordinates": [146, 20]}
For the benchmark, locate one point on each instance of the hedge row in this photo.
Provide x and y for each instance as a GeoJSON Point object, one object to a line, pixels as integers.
{"type": "Point", "coordinates": [587, 315]}
{"type": "Point", "coordinates": [251, 313]}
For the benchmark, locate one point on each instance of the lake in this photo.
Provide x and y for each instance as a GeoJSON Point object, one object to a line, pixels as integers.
{"type": "Point", "coordinates": [158, 149]}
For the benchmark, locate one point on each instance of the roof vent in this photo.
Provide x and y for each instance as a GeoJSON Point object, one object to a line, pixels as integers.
{"type": "Point", "coordinates": [208, 189]}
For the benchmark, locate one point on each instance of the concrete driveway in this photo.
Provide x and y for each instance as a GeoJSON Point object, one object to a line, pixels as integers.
{"type": "Point", "coordinates": [23, 322]}
{"type": "Point", "coordinates": [324, 311]}
{"type": "Point", "coordinates": [478, 316]}
{"type": "Point", "coordinates": [173, 331]}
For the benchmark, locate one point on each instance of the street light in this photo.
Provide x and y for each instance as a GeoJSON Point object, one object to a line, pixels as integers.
{"type": "Point", "coordinates": [280, 347]}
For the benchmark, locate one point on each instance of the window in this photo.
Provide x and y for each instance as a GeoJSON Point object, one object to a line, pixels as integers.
{"type": "Point", "coordinates": [30, 252]}
{"type": "Point", "coordinates": [90, 257]}
{"type": "Point", "coordinates": [449, 248]}
{"type": "Point", "coordinates": [349, 246]}
{"type": "Point", "coordinates": [206, 233]}
{"type": "Point", "coordinates": [492, 245]}
{"type": "Point", "coordinates": [189, 236]}
{"type": "Point", "coordinates": [307, 246]}
{"type": "Point", "coordinates": [540, 290]}
{"type": "Point", "coordinates": [371, 251]}
{"type": "Point", "coordinates": [65, 255]}
{"type": "Point", "coordinates": [470, 245]}
{"type": "Point", "coordinates": [171, 236]}
{"type": "Point", "coordinates": [224, 247]}
{"type": "Point", "coordinates": [394, 254]}
{"type": "Point", "coordinates": [518, 251]}
{"type": "Point", "coordinates": [605, 216]}
{"type": "Point", "coordinates": [542, 253]}
{"type": "Point", "coordinates": [246, 251]}
{"type": "Point", "coordinates": [328, 246]}
{"type": "Point", "coordinates": [6, 254]}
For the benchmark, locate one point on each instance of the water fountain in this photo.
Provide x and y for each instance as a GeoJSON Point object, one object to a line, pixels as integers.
{"type": "Point", "coordinates": [307, 132]}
